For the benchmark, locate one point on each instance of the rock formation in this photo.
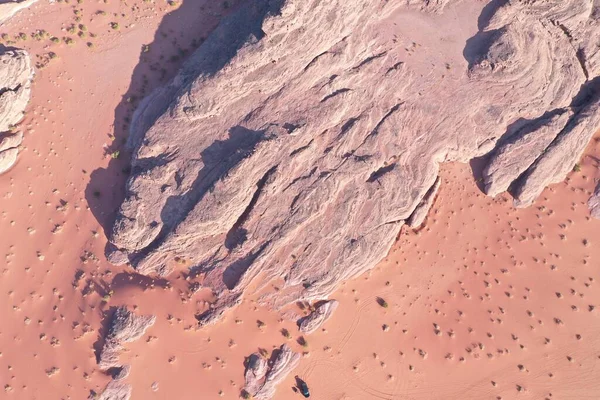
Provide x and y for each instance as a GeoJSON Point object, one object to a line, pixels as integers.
{"type": "Point", "coordinates": [262, 379]}
{"type": "Point", "coordinates": [299, 138]}
{"type": "Point", "coordinates": [418, 216]}
{"type": "Point", "coordinates": [115, 390]}
{"type": "Point", "coordinates": [8, 8]}
{"type": "Point", "coordinates": [256, 370]}
{"type": "Point", "coordinates": [513, 157]}
{"type": "Point", "coordinates": [594, 203]}
{"type": "Point", "coordinates": [315, 319]}
{"type": "Point", "coordinates": [125, 327]}
{"type": "Point", "coordinates": [9, 149]}
{"type": "Point", "coordinates": [16, 74]}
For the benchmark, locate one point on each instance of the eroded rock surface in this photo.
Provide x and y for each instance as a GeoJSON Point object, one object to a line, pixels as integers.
{"type": "Point", "coordinates": [115, 390]}
{"type": "Point", "coordinates": [16, 74]}
{"type": "Point", "coordinates": [256, 371]}
{"type": "Point", "coordinates": [315, 319]}
{"type": "Point", "coordinates": [516, 155]}
{"type": "Point", "coordinates": [594, 203]}
{"type": "Point", "coordinates": [262, 379]}
{"type": "Point", "coordinates": [300, 137]}
{"type": "Point", "coordinates": [125, 327]}
{"type": "Point", "coordinates": [8, 8]}
{"type": "Point", "coordinates": [418, 216]}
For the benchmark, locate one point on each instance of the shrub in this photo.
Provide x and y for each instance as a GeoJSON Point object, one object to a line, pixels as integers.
{"type": "Point", "coordinates": [382, 302]}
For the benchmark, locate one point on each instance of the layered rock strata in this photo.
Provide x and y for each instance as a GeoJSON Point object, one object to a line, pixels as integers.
{"type": "Point", "coordinates": [302, 135]}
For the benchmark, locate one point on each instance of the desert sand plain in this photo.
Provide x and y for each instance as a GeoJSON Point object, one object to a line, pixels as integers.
{"type": "Point", "coordinates": [485, 301]}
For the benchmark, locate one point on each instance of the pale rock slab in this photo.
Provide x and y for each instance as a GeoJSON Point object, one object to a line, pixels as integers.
{"type": "Point", "coordinates": [125, 327]}
{"type": "Point", "coordinates": [261, 385]}
{"type": "Point", "coordinates": [594, 203]}
{"type": "Point", "coordinates": [317, 318]}
{"type": "Point", "coordinates": [295, 142]}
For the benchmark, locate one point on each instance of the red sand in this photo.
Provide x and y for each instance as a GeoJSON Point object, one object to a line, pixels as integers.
{"type": "Point", "coordinates": [483, 301]}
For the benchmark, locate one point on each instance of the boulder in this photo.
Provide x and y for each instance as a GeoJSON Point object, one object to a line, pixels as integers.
{"type": "Point", "coordinates": [256, 371]}
{"type": "Point", "coordinates": [8, 159]}
{"type": "Point", "coordinates": [264, 388]}
{"type": "Point", "coordinates": [125, 326]}
{"type": "Point", "coordinates": [317, 318]}
{"type": "Point", "coordinates": [115, 390]}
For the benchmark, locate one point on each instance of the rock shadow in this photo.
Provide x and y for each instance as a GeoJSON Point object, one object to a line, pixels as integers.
{"type": "Point", "coordinates": [125, 279]}
{"type": "Point", "coordinates": [107, 316]}
{"type": "Point", "coordinates": [183, 32]}
{"type": "Point", "coordinates": [476, 47]}
{"type": "Point", "coordinates": [179, 34]}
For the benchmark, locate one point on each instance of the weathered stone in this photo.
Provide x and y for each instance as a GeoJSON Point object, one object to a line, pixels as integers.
{"type": "Point", "coordinates": [594, 203]}
{"type": "Point", "coordinates": [8, 8]}
{"type": "Point", "coordinates": [115, 390]}
{"type": "Point", "coordinates": [561, 156]}
{"type": "Point", "coordinates": [261, 385]}
{"type": "Point", "coordinates": [16, 74]}
{"type": "Point", "coordinates": [8, 159]}
{"type": "Point", "coordinates": [315, 319]}
{"type": "Point", "coordinates": [125, 327]}
{"type": "Point", "coordinates": [256, 371]}
{"type": "Point", "coordinates": [418, 216]}
{"type": "Point", "coordinates": [513, 157]}
{"type": "Point", "coordinates": [9, 140]}
{"type": "Point", "coordinates": [301, 135]}
{"type": "Point", "coordinates": [122, 372]}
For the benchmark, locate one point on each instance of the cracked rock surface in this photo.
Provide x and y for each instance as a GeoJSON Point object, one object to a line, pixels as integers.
{"type": "Point", "coordinates": [16, 74]}
{"type": "Point", "coordinates": [302, 135]}
{"type": "Point", "coordinates": [8, 8]}
{"type": "Point", "coordinates": [125, 326]}
{"type": "Point", "coordinates": [262, 377]}
{"type": "Point", "coordinates": [594, 203]}
{"type": "Point", "coordinates": [317, 318]}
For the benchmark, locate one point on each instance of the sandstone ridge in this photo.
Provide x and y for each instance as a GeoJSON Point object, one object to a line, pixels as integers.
{"type": "Point", "coordinates": [16, 74]}
{"type": "Point", "coordinates": [302, 135]}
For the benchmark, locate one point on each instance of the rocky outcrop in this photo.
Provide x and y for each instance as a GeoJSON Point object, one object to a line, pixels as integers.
{"type": "Point", "coordinates": [317, 318]}
{"type": "Point", "coordinates": [16, 74]}
{"type": "Point", "coordinates": [561, 156]}
{"type": "Point", "coordinates": [8, 8]}
{"type": "Point", "coordinates": [594, 203]}
{"type": "Point", "coordinates": [256, 371]}
{"type": "Point", "coordinates": [9, 149]}
{"type": "Point", "coordinates": [513, 157]}
{"type": "Point", "coordinates": [115, 390]}
{"type": "Point", "coordinates": [262, 379]}
{"type": "Point", "coordinates": [302, 135]}
{"type": "Point", "coordinates": [125, 327]}
{"type": "Point", "coordinates": [418, 216]}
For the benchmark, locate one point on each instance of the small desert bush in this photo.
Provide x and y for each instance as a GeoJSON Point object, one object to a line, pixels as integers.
{"type": "Point", "coordinates": [382, 302]}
